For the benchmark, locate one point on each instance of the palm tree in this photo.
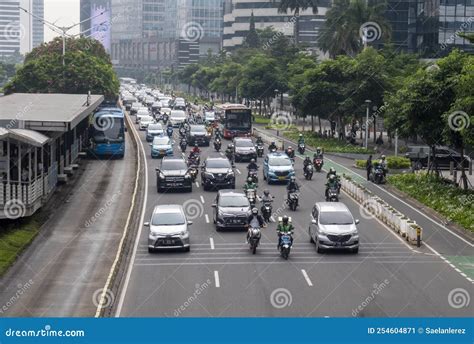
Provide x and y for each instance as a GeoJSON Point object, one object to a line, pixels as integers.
{"type": "Point", "coordinates": [296, 6]}
{"type": "Point", "coordinates": [342, 30]}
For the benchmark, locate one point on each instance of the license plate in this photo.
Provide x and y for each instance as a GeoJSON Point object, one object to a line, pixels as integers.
{"type": "Point", "coordinates": [281, 178]}
{"type": "Point", "coordinates": [162, 152]}
{"type": "Point", "coordinates": [168, 242]}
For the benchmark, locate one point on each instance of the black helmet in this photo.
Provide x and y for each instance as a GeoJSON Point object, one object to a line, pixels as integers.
{"type": "Point", "coordinates": [285, 219]}
{"type": "Point", "coordinates": [266, 192]}
{"type": "Point", "coordinates": [255, 211]}
{"type": "Point", "coordinates": [273, 142]}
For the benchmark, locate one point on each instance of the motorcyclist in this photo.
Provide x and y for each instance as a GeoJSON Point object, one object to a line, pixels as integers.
{"type": "Point", "coordinates": [284, 227]}
{"type": "Point", "coordinates": [169, 130]}
{"type": "Point", "coordinates": [250, 185]}
{"type": "Point", "coordinates": [331, 183]}
{"type": "Point", "coordinates": [292, 186]}
{"type": "Point", "coordinates": [196, 149]}
{"type": "Point", "coordinates": [272, 146]}
{"type": "Point", "coordinates": [229, 152]}
{"type": "Point", "coordinates": [318, 154]}
{"type": "Point", "coordinates": [300, 139]}
{"type": "Point", "coordinates": [307, 161]}
{"type": "Point", "coordinates": [182, 131]}
{"type": "Point", "coordinates": [333, 172]}
{"type": "Point", "coordinates": [217, 133]}
{"type": "Point", "coordinates": [259, 141]}
{"type": "Point", "coordinates": [252, 165]}
{"type": "Point", "coordinates": [290, 152]}
{"type": "Point", "coordinates": [255, 220]}
{"type": "Point", "coordinates": [183, 142]}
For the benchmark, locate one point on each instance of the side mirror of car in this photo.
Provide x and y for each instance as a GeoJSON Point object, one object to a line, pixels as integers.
{"type": "Point", "coordinates": [190, 223]}
{"type": "Point", "coordinates": [147, 224]}
{"type": "Point", "coordinates": [214, 205]}
{"type": "Point", "coordinates": [357, 221]}
{"type": "Point", "coordinates": [157, 170]}
{"type": "Point", "coordinates": [314, 222]}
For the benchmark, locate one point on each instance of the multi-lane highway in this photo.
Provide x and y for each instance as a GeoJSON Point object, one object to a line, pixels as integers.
{"type": "Point", "coordinates": [220, 277]}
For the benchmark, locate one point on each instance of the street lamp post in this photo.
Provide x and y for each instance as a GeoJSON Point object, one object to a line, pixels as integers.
{"type": "Point", "coordinates": [368, 102]}
{"type": "Point", "coordinates": [62, 30]}
{"type": "Point", "coordinates": [276, 100]}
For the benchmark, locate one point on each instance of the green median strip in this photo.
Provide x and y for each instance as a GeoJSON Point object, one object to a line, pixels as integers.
{"type": "Point", "coordinates": [14, 239]}
{"type": "Point", "coordinates": [463, 263]}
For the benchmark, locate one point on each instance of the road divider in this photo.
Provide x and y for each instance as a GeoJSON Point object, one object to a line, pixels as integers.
{"type": "Point", "coordinates": [374, 206]}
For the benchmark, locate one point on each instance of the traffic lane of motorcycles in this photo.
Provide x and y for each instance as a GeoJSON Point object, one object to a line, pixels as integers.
{"type": "Point", "coordinates": [172, 277]}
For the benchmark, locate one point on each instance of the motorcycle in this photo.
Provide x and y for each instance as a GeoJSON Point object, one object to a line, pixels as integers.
{"type": "Point", "coordinates": [254, 175]}
{"type": "Point", "coordinates": [194, 160]}
{"type": "Point", "coordinates": [169, 131]}
{"type": "Point", "coordinates": [308, 172]}
{"type": "Point", "coordinates": [230, 156]}
{"type": "Point", "coordinates": [301, 148]}
{"type": "Point", "coordinates": [291, 154]}
{"type": "Point", "coordinates": [332, 195]}
{"type": "Point", "coordinates": [251, 196]}
{"type": "Point", "coordinates": [285, 245]}
{"type": "Point", "coordinates": [293, 201]}
{"type": "Point", "coordinates": [272, 149]}
{"type": "Point", "coordinates": [254, 238]}
{"type": "Point", "coordinates": [217, 145]}
{"type": "Point", "coordinates": [267, 210]}
{"type": "Point", "coordinates": [183, 145]}
{"type": "Point", "coordinates": [318, 164]}
{"type": "Point", "coordinates": [164, 118]}
{"type": "Point", "coordinates": [377, 176]}
{"type": "Point", "coordinates": [259, 148]}
{"type": "Point", "coordinates": [193, 172]}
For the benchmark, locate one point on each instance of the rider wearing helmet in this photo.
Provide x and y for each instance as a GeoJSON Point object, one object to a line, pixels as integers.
{"type": "Point", "coordinates": [307, 161]}
{"type": "Point", "coordinates": [383, 165]}
{"type": "Point", "coordinates": [290, 152]}
{"type": "Point", "coordinates": [259, 141]}
{"type": "Point", "coordinates": [285, 227]}
{"type": "Point", "coordinates": [300, 139]}
{"type": "Point", "coordinates": [292, 186]}
{"type": "Point", "coordinates": [255, 220]}
{"type": "Point", "coordinates": [252, 166]}
{"type": "Point", "coordinates": [250, 184]}
{"type": "Point", "coordinates": [331, 183]}
{"type": "Point", "coordinates": [332, 171]}
{"type": "Point", "coordinates": [196, 149]}
{"type": "Point", "coordinates": [272, 146]}
{"type": "Point", "coordinates": [319, 153]}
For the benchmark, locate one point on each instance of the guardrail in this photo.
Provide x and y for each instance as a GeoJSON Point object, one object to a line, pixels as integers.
{"type": "Point", "coordinates": [376, 206]}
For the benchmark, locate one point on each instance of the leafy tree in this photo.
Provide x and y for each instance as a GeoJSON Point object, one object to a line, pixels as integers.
{"type": "Point", "coordinates": [83, 71]}
{"type": "Point", "coordinates": [252, 40]}
{"type": "Point", "coordinates": [341, 32]}
{"type": "Point", "coordinates": [297, 6]}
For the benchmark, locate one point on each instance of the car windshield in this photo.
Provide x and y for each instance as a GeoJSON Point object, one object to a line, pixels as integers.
{"type": "Point", "coordinates": [221, 163]}
{"type": "Point", "coordinates": [155, 127]}
{"type": "Point", "coordinates": [336, 218]}
{"type": "Point", "coordinates": [242, 143]}
{"type": "Point", "coordinates": [174, 165]}
{"type": "Point", "coordinates": [160, 141]}
{"type": "Point", "coordinates": [280, 162]}
{"type": "Point", "coordinates": [198, 129]}
{"type": "Point", "coordinates": [234, 201]}
{"type": "Point", "coordinates": [178, 114]}
{"type": "Point", "coordinates": [147, 119]}
{"type": "Point", "coordinates": [168, 219]}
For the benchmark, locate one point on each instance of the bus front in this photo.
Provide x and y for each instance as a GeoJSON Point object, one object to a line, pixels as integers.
{"type": "Point", "coordinates": [237, 122]}
{"type": "Point", "coordinates": [108, 135]}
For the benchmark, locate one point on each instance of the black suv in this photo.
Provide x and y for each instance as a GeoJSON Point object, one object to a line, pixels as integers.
{"type": "Point", "coordinates": [231, 210]}
{"type": "Point", "coordinates": [198, 134]}
{"type": "Point", "coordinates": [444, 156]}
{"type": "Point", "coordinates": [173, 174]}
{"type": "Point", "coordinates": [217, 173]}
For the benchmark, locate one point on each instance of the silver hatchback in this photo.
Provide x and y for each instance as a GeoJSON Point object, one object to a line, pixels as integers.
{"type": "Point", "coordinates": [168, 228]}
{"type": "Point", "coordinates": [333, 227]}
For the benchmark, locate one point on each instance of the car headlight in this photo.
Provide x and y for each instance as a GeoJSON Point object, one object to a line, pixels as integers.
{"type": "Point", "coordinates": [230, 174]}
{"type": "Point", "coordinates": [184, 234]}
{"type": "Point", "coordinates": [187, 176]}
{"type": "Point", "coordinates": [154, 234]}
{"type": "Point", "coordinates": [161, 175]}
{"type": "Point", "coordinates": [323, 233]}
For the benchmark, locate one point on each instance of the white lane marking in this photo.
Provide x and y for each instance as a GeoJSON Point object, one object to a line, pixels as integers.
{"type": "Point", "coordinates": [138, 237]}
{"type": "Point", "coordinates": [197, 184]}
{"type": "Point", "coordinates": [272, 219]}
{"type": "Point", "coordinates": [216, 278]}
{"type": "Point", "coordinates": [238, 171]}
{"type": "Point", "coordinates": [400, 200]}
{"type": "Point", "coordinates": [211, 241]}
{"type": "Point", "coordinates": [222, 154]}
{"type": "Point", "coordinates": [207, 218]}
{"type": "Point", "coordinates": [202, 200]}
{"type": "Point", "coordinates": [306, 277]}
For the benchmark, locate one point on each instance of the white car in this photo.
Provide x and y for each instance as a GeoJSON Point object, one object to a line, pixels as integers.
{"type": "Point", "coordinates": [135, 107]}
{"type": "Point", "coordinates": [141, 113]}
{"type": "Point", "coordinates": [145, 121]}
{"type": "Point", "coordinates": [168, 228]}
{"type": "Point", "coordinates": [177, 117]}
{"type": "Point", "coordinates": [154, 129]}
{"type": "Point", "coordinates": [165, 110]}
{"type": "Point", "coordinates": [209, 116]}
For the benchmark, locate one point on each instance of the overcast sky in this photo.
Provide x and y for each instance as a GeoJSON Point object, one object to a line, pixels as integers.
{"type": "Point", "coordinates": [61, 12]}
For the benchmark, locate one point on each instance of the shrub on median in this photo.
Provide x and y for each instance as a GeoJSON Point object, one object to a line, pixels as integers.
{"type": "Point", "coordinates": [329, 145]}
{"type": "Point", "coordinates": [393, 162]}
{"type": "Point", "coordinates": [450, 201]}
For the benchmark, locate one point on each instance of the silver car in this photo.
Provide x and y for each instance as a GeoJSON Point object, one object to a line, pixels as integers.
{"type": "Point", "coordinates": [168, 228]}
{"type": "Point", "coordinates": [333, 227]}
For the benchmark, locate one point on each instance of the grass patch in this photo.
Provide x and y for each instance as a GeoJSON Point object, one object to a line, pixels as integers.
{"type": "Point", "coordinates": [329, 145]}
{"type": "Point", "coordinates": [14, 238]}
{"type": "Point", "coordinates": [393, 162]}
{"type": "Point", "coordinates": [450, 201]}
{"type": "Point", "coordinates": [261, 120]}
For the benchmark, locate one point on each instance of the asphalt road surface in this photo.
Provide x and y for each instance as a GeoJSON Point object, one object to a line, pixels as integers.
{"type": "Point", "coordinates": [62, 273]}
{"type": "Point", "coordinates": [220, 277]}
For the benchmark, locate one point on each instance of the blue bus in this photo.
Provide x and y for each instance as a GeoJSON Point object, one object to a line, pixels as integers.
{"type": "Point", "coordinates": [108, 133]}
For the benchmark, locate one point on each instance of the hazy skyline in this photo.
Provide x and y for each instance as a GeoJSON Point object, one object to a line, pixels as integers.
{"type": "Point", "coordinates": [62, 13]}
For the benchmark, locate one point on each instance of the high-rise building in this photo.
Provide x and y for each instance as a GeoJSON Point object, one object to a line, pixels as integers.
{"type": "Point", "coordinates": [237, 21]}
{"type": "Point", "coordinates": [19, 31]}
{"type": "Point", "coordinates": [96, 20]}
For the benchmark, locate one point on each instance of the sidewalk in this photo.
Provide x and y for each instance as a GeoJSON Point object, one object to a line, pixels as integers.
{"type": "Point", "coordinates": [442, 239]}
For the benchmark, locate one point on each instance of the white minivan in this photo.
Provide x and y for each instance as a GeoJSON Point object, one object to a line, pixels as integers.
{"type": "Point", "coordinates": [177, 117]}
